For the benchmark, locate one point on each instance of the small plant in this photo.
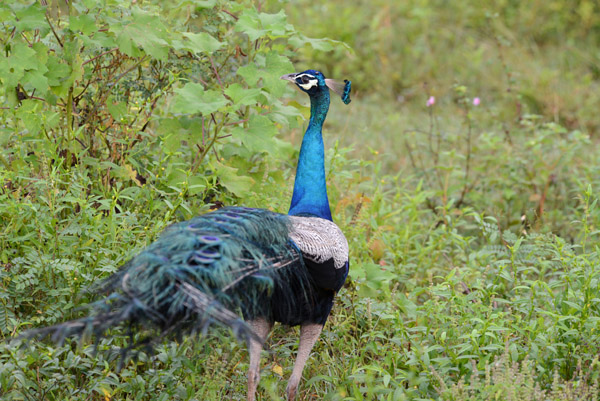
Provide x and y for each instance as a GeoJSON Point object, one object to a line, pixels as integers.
{"type": "Point", "coordinates": [517, 381]}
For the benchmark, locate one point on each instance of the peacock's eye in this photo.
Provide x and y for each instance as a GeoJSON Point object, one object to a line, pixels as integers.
{"type": "Point", "coordinates": [306, 81]}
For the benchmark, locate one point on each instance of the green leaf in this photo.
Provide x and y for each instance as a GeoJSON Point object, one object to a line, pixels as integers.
{"type": "Point", "coordinates": [205, 3]}
{"type": "Point", "coordinates": [177, 178]}
{"type": "Point", "coordinates": [242, 96]}
{"type": "Point", "coordinates": [36, 80]}
{"type": "Point", "coordinates": [201, 42]}
{"type": "Point", "coordinates": [146, 31]}
{"type": "Point", "coordinates": [6, 15]}
{"type": "Point", "coordinates": [100, 40]}
{"type": "Point", "coordinates": [286, 115]}
{"type": "Point", "coordinates": [276, 66]}
{"type": "Point", "coordinates": [196, 184]}
{"type": "Point", "coordinates": [172, 142]}
{"type": "Point", "coordinates": [276, 24]}
{"type": "Point", "coordinates": [238, 185]}
{"type": "Point", "coordinates": [57, 71]}
{"type": "Point", "coordinates": [259, 136]}
{"type": "Point", "coordinates": [29, 115]}
{"type": "Point", "coordinates": [117, 109]}
{"type": "Point", "coordinates": [322, 45]}
{"type": "Point", "coordinates": [257, 25]}
{"type": "Point", "coordinates": [89, 3]}
{"type": "Point", "coordinates": [84, 23]}
{"type": "Point", "coordinates": [51, 120]}
{"type": "Point", "coordinates": [5, 136]}
{"type": "Point", "coordinates": [23, 56]}
{"type": "Point", "coordinates": [192, 98]}
{"type": "Point", "coordinates": [249, 23]}
{"type": "Point", "coordinates": [30, 18]}
{"type": "Point", "coordinates": [12, 69]}
{"type": "Point", "coordinates": [75, 73]}
{"type": "Point", "coordinates": [250, 73]}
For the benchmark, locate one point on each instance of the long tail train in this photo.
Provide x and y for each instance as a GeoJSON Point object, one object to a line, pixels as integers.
{"type": "Point", "coordinates": [213, 269]}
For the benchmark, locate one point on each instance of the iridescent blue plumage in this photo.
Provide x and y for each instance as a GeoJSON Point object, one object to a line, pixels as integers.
{"type": "Point", "coordinates": [310, 188]}
{"type": "Point", "coordinates": [237, 262]}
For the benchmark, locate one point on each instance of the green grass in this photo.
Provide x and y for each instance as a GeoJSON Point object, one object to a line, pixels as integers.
{"type": "Point", "coordinates": [473, 230]}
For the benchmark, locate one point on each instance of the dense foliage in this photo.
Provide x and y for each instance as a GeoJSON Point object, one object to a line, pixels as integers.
{"type": "Point", "coordinates": [542, 53]}
{"type": "Point", "coordinates": [472, 223]}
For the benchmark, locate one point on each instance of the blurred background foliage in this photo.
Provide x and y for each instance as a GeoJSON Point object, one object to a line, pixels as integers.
{"type": "Point", "coordinates": [472, 224]}
{"type": "Point", "coordinates": [542, 53]}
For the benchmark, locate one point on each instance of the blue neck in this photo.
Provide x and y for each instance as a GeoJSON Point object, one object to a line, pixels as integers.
{"type": "Point", "coordinates": [310, 188]}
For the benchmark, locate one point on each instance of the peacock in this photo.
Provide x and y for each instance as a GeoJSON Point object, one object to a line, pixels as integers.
{"type": "Point", "coordinates": [242, 268]}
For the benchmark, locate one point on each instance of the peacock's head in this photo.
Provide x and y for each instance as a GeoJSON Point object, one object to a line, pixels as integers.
{"type": "Point", "coordinates": [313, 82]}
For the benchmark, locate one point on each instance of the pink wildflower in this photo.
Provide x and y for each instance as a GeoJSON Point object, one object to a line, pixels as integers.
{"type": "Point", "coordinates": [430, 101]}
{"type": "Point", "coordinates": [476, 101]}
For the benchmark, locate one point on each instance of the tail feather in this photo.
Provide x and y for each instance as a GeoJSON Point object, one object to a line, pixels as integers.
{"type": "Point", "coordinates": [212, 269]}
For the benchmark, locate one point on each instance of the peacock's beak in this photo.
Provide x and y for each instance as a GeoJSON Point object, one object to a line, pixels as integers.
{"type": "Point", "coordinates": [289, 77]}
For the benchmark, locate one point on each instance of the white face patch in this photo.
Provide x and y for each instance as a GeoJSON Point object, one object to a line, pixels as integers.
{"type": "Point", "coordinates": [307, 84]}
{"type": "Point", "coordinates": [310, 84]}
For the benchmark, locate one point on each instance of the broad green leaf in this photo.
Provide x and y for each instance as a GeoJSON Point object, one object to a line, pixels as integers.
{"type": "Point", "coordinates": [23, 56]}
{"type": "Point", "coordinates": [35, 80]}
{"type": "Point", "coordinates": [176, 178]}
{"type": "Point", "coordinates": [238, 185]}
{"type": "Point", "coordinates": [250, 73]}
{"type": "Point", "coordinates": [323, 45]}
{"type": "Point", "coordinates": [117, 109]}
{"type": "Point", "coordinates": [201, 42]}
{"type": "Point", "coordinates": [75, 73]}
{"type": "Point", "coordinates": [196, 184]}
{"type": "Point", "coordinates": [249, 23]}
{"type": "Point", "coordinates": [41, 51]}
{"type": "Point", "coordinates": [276, 66]}
{"type": "Point", "coordinates": [128, 46]}
{"type": "Point", "coordinates": [84, 23]}
{"type": "Point", "coordinates": [242, 96]}
{"type": "Point", "coordinates": [57, 71]}
{"type": "Point", "coordinates": [100, 41]}
{"type": "Point", "coordinates": [89, 3]}
{"type": "Point", "coordinates": [29, 115]}
{"type": "Point", "coordinates": [275, 24]}
{"type": "Point", "coordinates": [12, 68]}
{"type": "Point", "coordinates": [7, 16]}
{"type": "Point", "coordinates": [258, 137]}
{"type": "Point", "coordinates": [146, 31]}
{"type": "Point", "coordinates": [171, 142]}
{"type": "Point", "coordinates": [168, 125]}
{"type": "Point", "coordinates": [51, 120]}
{"type": "Point", "coordinates": [287, 115]}
{"type": "Point", "coordinates": [257, 25]}
{"type": "Point", "coordinates": [30, 18]}
{"type": "Point", "coordinates": [205, 3]}
{"type": "Point", "coordinates": [5, 135]}
{"type": "Point", "coordinates": [192, 98]}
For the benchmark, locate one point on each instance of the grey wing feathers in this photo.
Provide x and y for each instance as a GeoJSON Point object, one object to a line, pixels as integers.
{"type": "Point", "coordinates": [319, 240]}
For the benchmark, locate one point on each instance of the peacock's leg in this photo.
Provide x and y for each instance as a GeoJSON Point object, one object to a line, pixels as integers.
{"type": "Point", "coordinates": [308, 336]}
{"type": "Point", "coordinates": [261, 328]}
